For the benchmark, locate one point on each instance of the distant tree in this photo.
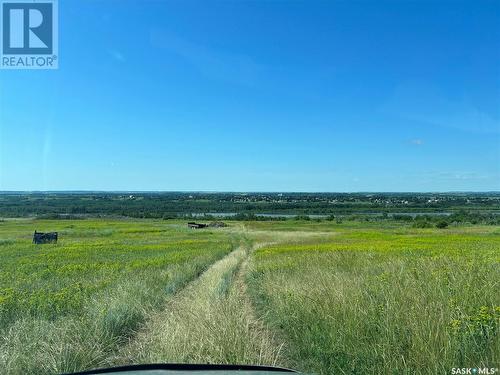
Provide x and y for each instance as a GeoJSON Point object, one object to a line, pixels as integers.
{"type": "Point", "coordinates": [402, 217]}
{"type": "Point", "coordinates": [302, 217]}
{"type": "Point", "coordinates": [169, 216]}
{"type": "Point", "coordinates": [442, 224]}
{"type": "Point", "coordinates": [244, 217]}
{"type": "Point", "coordinates": [422, 224]}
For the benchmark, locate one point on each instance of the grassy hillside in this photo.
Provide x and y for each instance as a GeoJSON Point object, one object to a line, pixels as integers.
{"type": "Point", "coordinates": [323, 297]}
{"type": "Point", "coordinates": [70, 306]}
{"type": "Point", "coordinates": [379, 299]}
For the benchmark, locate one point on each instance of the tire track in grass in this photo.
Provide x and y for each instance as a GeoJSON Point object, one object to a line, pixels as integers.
{"type": "Point", "coordinates": [210, 321]}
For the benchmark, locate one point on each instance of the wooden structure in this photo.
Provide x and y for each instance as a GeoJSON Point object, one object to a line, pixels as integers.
{"type": "Point", "coordinates": [193, 225]}
{"type": "Point", "coordinates": [41, 238]}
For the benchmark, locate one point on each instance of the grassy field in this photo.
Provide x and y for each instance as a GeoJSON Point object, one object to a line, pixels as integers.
{"type": "Point", "coordinates": [71, 306]}
{"type": "Point", "coordinates": [392, 300]}
{"type": "Point", "coordinates": [321, 297]}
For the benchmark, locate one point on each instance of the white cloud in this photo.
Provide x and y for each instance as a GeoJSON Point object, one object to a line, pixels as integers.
{"type": "Point", "coordinates": [426, 103]}
{"type": "Point", "coordinates": [117, 55]}
{"type": "Point", "coordinates": [211, 63]}
{"type": "Point", "coordinates": [459, 175]}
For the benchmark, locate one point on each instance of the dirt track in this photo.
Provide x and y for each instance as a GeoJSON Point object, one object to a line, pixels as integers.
{"type": "Point", "coordinates": [210, 321]}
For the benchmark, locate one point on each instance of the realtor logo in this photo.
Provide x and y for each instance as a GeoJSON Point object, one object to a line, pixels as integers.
{"type": "Point", "coordinates": [28, 34]}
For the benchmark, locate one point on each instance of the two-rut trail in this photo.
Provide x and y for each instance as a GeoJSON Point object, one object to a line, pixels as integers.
{"type": "Point", "coordinates": [209, 321]}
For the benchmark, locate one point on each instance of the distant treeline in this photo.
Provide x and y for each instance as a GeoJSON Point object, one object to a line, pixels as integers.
{"type": "Point", "coordinates": [418, 221]}
{"type": "Point", "coordinates": [247, 205]}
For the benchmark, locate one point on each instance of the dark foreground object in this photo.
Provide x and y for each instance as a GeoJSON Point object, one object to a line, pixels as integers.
{"type": "Point", "coordinates": [183, 369]}
{"type": "Point", "coordinates": [41, 238]}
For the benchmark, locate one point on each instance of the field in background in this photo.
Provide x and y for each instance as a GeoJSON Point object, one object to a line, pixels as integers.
{"type": "Point", "coordinates": [323, 297]}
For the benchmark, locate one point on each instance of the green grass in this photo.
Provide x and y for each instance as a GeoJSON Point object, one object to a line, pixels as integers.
{"type": "Point", "coordinates": [70, 306]}
{"type": "Point", "coordinates": [382, 299]}
{"type": "Point", "coordinates": [210, 321]}
{"type": "Point", "coordinates": [323, 297]}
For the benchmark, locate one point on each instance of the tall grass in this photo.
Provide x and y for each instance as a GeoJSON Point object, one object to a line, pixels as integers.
{"type": "Point", "coordinates": [71, 306]}
{"type": "Point", "coordinates": [385, 301]}
{"type": "Point", "coordinates": [325, 297]}
{"type": "Point", "coordinates": [211, 321]}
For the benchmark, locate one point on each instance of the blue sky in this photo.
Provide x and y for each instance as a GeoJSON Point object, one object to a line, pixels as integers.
{"type": "Point", "coordinates": [260, 96]}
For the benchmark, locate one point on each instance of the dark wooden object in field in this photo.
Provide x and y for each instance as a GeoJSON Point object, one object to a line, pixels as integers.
{"type": "Point", "coordinates": [41, 238]}
{"type": "Point", "coordinates": [193, 225]}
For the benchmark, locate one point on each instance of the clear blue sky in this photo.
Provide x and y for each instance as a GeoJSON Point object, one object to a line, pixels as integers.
{"type": "Point", "coordinates": [260, 96]}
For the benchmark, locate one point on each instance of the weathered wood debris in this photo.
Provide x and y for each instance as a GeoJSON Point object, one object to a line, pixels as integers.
{"type": "Point", "coordinates": [213, 224]}
{"type": "Point", "coordinates": [194, 225]}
